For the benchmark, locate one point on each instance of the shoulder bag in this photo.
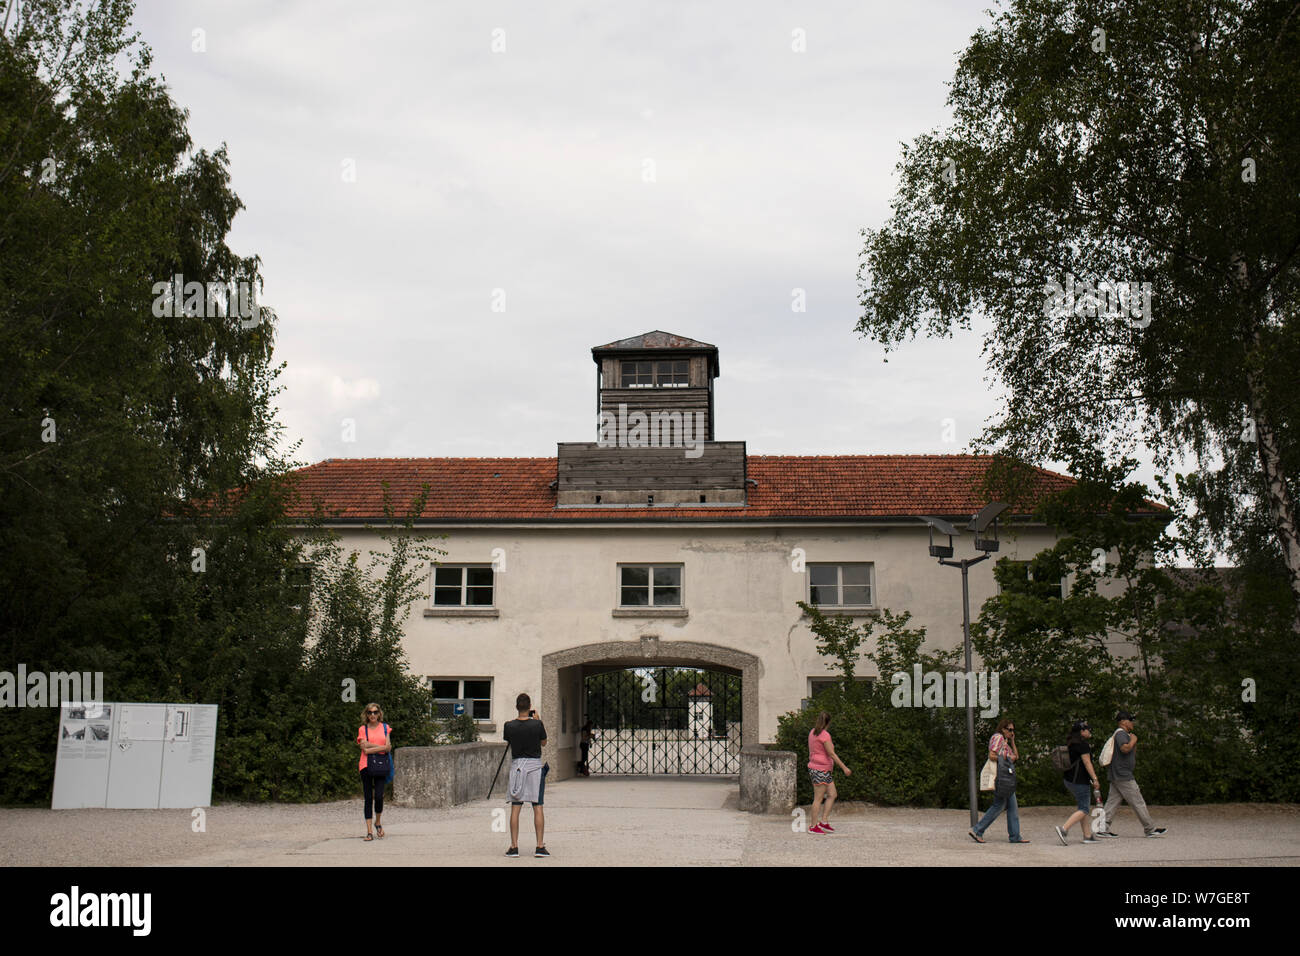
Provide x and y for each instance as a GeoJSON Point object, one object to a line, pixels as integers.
{"type": "Point", "coordinates": [378, 765]}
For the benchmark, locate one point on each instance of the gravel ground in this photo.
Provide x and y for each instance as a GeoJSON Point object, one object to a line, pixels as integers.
{"type": "Point", "coordinates": [604, 821]}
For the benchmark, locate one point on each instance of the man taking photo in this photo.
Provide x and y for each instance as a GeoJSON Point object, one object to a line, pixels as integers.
{"type": "Point", "coordinates": [526, 736]}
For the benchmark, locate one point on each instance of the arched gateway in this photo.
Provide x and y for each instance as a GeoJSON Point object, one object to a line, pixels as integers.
{"type": "Point", "coordinates": [564, 672]}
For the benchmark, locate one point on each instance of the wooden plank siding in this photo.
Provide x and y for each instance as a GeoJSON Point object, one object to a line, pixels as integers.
{"type": "Point", "coordinates": [584, 466]}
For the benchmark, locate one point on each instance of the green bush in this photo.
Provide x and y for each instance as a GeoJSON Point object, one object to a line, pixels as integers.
{"type": "Point", "coordinates": [461, 729]}
{"type": "Point", "coordinates": [897, 755]}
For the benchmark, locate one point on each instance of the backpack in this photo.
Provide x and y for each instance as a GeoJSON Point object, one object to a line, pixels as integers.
{"type": "Point", "coordinates": [1061, 758]}
{"type": "Point", "coordinates": [1107, 752]}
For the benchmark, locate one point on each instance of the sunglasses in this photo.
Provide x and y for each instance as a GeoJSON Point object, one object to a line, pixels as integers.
{"type": "Point", "coordinates": [372, 713]}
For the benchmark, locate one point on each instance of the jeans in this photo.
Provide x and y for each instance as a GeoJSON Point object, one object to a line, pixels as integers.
{"type": "Point", "coordinates": [1013, 816]}
{"type": "Point", "coordinates": [1127, 791]}
{"type": "Point", "coordinates": [373, 788]}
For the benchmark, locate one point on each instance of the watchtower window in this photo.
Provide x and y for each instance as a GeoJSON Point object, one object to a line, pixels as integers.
{"type": "Point", "coordinates": [666, 373]}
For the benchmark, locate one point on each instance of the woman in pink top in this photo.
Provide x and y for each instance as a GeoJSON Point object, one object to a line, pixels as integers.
{"type": "Point", "coordinates": [373, 738]}
{"type": "Point", "coordinates": [821, 761]}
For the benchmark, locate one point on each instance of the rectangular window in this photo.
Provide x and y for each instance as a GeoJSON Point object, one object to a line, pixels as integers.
{"type": "Point", "coordinates": [299, 581]}
{"type": "Point", "coordinates": [673, 374]}
{"type": "Point", "coordinates": [638, 375]}
{"type": "Point", "coordinates": [664, 373]}
{"type": "Point", "coordinates": [1047, 589]}
{"type": "Point", "coordinates": [474, 692]}
{"type": "Point", "coordinates": [841, 585]}
{"type": "Point", "coordinates": [818, 684]}
{"type": "Point", "coordinates": [650, 585]}
{"type": "Point", "coordinates": [466, 585]}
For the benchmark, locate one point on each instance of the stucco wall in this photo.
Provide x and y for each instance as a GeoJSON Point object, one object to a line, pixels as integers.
{"type": "Point", "coordinates": [559, 588]}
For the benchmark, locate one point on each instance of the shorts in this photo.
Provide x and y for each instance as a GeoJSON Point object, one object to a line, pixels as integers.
{"type": "Point", "coordinates": [819, 777]}
{"type": "Point", "coordinates": [528, 781]}
{"type": "Point", "coordinates": [1082, 794]}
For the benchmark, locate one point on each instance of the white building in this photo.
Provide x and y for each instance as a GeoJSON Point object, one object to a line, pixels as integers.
{"type": "Point", "coordinates": [663, 550]}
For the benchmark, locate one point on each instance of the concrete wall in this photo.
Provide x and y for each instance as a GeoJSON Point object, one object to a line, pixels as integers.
{"type": "Point", "coordinates": [767, 780]}
{"type": "Point", "coordinates": [558, 590]}
{"type": "Point", "coordinates": [446, 776]}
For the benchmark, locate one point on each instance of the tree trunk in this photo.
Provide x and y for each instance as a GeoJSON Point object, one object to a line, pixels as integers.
{"type": "Point", "coordinates": [1280, 502]}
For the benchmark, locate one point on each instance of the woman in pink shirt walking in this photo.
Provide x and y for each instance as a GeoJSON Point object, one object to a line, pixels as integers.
{"type": "Point", "coordinates": [821, 760]}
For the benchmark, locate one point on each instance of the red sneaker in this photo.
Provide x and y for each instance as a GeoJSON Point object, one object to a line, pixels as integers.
{"type": "Point", "coordinates": [816, 829]}
{"type": "Point", "coordinates": [826, 828]}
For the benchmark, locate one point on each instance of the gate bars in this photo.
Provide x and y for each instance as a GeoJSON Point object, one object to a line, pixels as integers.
{"type": "Point", "coordinates": [664, 720]}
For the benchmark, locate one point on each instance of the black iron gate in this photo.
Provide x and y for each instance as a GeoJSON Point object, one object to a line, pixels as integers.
{"type": "Point", "coordinates": [664, 720]}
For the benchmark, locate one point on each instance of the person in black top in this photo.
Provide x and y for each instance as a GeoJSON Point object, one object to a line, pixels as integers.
{"type": "Point", "coordinates": [1080, 780]}
{"type": "Point", "coordinates": [526, 736]}
{"type": "Point", "coordinates": [584, 742]}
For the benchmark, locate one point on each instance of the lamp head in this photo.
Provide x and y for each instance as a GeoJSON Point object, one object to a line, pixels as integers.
{"type": "Point", "coordinates": [943, 527]}
{"type": "Point", "coordinates": [978, 523]}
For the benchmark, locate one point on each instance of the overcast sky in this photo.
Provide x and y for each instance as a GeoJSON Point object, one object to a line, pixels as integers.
{"type": "Point", "coordinates": [524, 169]}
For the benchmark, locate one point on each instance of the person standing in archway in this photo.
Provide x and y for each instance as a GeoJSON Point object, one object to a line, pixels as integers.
{"type": "Point", "coordinates": [584, 743]}
{"type": "Point", "coordinates": [821, 761]}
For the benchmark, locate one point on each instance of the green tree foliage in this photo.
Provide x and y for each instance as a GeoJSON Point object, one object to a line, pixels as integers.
{"type": "Point", "coordinates": [456, 730]}
{"type": "Point", "coordinates": [838, 638]}
{"type": "Point", "coordinates": [352, 655]}
{"type": "Point", "coordinates": [143, 492]}
{"type": "Point", "coordinates": [114, 418]}
{"type": "Point", "coordinates": [1144, 142]}
{"type": "Point", "coordinates": [1061, 658]}
{"type": "Point", "coordinates": [1173, 646]}
{"type": "Point", "coordinates": [1086, 627]}
{"type": "Point", "coordinates": [898, 755]}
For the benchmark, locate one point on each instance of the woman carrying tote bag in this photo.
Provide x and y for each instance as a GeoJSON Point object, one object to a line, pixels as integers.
{"type": "Point", "coordinates": [375, 741]}
{"type": "Point", "coordinates": [1002, 750]}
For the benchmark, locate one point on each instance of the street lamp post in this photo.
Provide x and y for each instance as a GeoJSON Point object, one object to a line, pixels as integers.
{"type": "Point", "coordinates": [978, 523]}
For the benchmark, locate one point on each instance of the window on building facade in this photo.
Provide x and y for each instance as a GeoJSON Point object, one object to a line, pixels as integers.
{"type": "Point", "coordinates": [818, 684]}
{"type": "Point", "coordinates": [299, 581]}
{"type": "Point", "coordinates": [464, 585]}
{"type": "Point", "coordinates": [841, 585]}
{"type": "Point", "coordinates": [667, 373]}
{"type": "Point", "coordinates": [1048, 589]}
{"type": "Point", "coordinates": [476, 692]}
{"type": "Point", "coordinates": [650, 585]}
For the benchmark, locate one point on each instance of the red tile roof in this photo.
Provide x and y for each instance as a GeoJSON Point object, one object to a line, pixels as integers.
{"type": "Point", "coordinates": [798, 487]}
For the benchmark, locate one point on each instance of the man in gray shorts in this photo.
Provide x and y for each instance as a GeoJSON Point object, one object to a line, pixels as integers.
{"type": "Point", "coordinates": [1123, 785]}
{"type": "Point", "coordinates": [526, 736]}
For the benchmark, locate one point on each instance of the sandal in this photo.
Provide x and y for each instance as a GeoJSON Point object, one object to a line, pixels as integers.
{"type": "Point", "coordinates": [379, 830]}
{"type": "Point", "coordinates": [368, 837]}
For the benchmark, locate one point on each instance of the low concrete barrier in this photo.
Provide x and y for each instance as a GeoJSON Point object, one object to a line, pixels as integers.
{"type": "Point", "coordinates": [446, 776]}
{"type": "Point", "coordinates": [767, 780]}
